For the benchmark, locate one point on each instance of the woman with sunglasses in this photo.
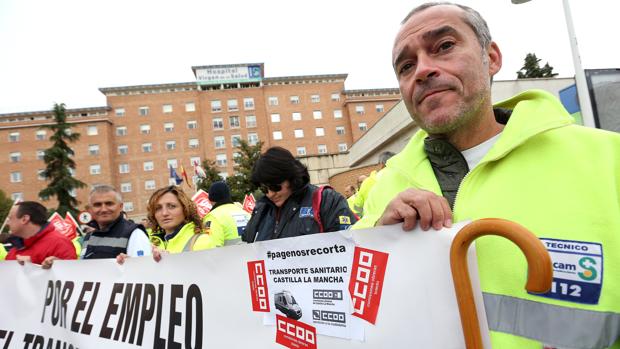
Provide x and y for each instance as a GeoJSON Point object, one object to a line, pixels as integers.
{"type": "Point", "coordinates": [286, 209]}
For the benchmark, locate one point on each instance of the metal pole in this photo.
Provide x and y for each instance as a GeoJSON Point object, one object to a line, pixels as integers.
{"type": "Point", "coordinates": [580, 77]}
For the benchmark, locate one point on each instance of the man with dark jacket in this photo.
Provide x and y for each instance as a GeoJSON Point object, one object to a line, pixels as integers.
{"type": "Point", "coordinates": [289, 207]}
{"type": "Point", "coordinates": [113, 234]}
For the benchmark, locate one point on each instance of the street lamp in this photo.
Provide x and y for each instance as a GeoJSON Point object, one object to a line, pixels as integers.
{"type": "Point", "coordinates": [585, 104]}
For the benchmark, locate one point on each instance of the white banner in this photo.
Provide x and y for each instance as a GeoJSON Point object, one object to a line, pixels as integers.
{"type": "Point", "coordinates": [204, 299]}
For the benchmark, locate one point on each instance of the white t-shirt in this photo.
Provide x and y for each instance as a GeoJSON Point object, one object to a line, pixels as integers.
{"type": "Point", "coordinates": [139, 244]}
{"type": "Point", "coordinates": [474, 155]}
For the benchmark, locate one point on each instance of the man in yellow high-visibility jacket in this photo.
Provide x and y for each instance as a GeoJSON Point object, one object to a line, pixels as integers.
{"type": "Point", "coordinates": [226, 221]}
{"type": "Point", "coordinates": [523, 160]}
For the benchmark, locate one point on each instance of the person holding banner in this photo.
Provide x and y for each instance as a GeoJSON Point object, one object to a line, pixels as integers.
{"type": "Point", "coordinates": [173, 214]}
{"type": "Point", "coordinates": [226, 221]}
{"type": "Point", "coordinates": [522, 159]}
{"type": "Point", "coordinates": [34, 239]}
{"type": "Point", "coordinates": [291, 205]}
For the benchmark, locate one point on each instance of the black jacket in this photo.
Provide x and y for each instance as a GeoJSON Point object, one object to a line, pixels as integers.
{"type": "Point", "coordinates": [110, 242]}
{"type": "Point", "coordinates": [297, 217]}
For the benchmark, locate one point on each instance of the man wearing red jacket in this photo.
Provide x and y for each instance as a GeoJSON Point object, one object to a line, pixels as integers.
{"type": "Point", "coordinates": [33, 238]}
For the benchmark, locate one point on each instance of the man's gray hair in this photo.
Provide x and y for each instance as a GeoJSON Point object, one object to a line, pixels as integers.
{"type": "Point", "coordinates": [104, 188]}
{"type": "Point", "coordinates": [472, 18]}
{"type": "Point", "coordinates": [385, 156]}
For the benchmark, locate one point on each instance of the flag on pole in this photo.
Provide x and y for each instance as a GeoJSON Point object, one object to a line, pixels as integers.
{"type": "Point", "coordinates": [173, 174]}
{"type": "Point", "coordinates": [203, 205]}
{"type": "Point", "coordinates": [62, 226]}
{"type": "Point", "coordinates": [71, 221]}
{"type": "Point", "coordinates": [184, 174]}
{"type": "Point", "coordinates": [200, 172]}
{"type": "Point", "coordinates": [249, 203]}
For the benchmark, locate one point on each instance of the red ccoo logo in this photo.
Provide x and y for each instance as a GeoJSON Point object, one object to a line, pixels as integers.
{"type": "Point", "coordinates": [366, 282]}
{"type": "Point", "coordinates": [258, 286]}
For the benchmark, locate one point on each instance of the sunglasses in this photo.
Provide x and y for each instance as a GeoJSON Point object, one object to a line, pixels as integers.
{"type": "Point", "coordinates": [270, 187]}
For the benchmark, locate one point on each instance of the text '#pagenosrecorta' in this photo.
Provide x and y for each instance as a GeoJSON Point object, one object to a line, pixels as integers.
{"type": "Point", "coordinates": [306, 252]}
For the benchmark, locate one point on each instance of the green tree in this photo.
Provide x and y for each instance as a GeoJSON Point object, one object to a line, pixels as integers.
{"type": "Point", "coordinates": [212, 175]}
{"type": "Point", "coordinates": [240, 183]}
{"type": "Point", "coordinates": [531, 68]}
{"type": "Point", "coordinates": [59, 163]}
{"type": "Point", "coordinates": [5, 206]}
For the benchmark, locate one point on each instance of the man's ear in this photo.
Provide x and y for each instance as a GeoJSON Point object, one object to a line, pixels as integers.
{"type": "Point", "coordinates": [494, 56]}
{"type": "Point", "coordinates": [25, 219]}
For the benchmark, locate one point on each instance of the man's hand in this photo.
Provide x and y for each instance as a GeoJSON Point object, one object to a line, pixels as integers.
{"type": "Point", "coordinates": [413, 205]}
{"type": "Point", "coordinates": [48, 262]}
{"type": "Point", "coordinates": [120, 259]}
{"type": "Point", "coordinates": [157, 253]}
{"type": "Point", "coordinates": [22, 259]}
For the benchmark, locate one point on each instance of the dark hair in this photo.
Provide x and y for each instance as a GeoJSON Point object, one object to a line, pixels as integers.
{"type": "Point", "coordinates": [36, 211]}
{"type": "Point", "coordinates": [471, 17]}
{"type": "Point", "coordinates": [385, 156]}
{"type": "Point", "coordinates": [277, 165]}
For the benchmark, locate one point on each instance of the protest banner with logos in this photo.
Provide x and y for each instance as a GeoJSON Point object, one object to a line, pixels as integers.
{"type": "Point", "coordinates": [205, 299]}
{"type": "Point", "coordinates": [203, 205]}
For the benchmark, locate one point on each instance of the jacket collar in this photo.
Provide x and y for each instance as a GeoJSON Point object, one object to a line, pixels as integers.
{"type": "Point", "coordinates": [21, 243]}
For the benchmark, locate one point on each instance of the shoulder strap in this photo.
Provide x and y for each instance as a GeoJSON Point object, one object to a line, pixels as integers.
{"type": "Point", "coordinates": [317, 196]}
{"type": "Point", "coordinates": [189, 245]}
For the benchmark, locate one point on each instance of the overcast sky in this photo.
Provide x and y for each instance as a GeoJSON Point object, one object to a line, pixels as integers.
{"type": "Point", "coordinates": [64, 50]}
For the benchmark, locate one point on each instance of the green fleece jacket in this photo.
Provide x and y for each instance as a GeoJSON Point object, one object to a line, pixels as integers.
{"type": "Point", "coordinates": [562, 182]}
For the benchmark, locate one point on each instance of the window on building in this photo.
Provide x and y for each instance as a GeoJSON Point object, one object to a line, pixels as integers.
{"type": "Point", "coordinates": [359, 109]}
{"type": "Point", "coordinates": [72, 172]}
{"type": "Point", "coordinates": [342, 147]}
{"type": "Point", "coordinates": [295, 100]}
{"type": "Point", "coordinates": [41, 135]}
{"type": "Point", "coordinates": [220, 142]}
{"type": "Point", "coordinates": [148, 166]}
{"type": "Point", "coordinates": [319, 132]}
{"type": "Point", "coordinates": [337, 114]}
{"type": "Point", "coordinates": [14, 137]}
{"type": "Point", "coordinates": [92, 130]}
{"type": "Point", "coordinates": [171, 145]}
{"type": "Point", "coordinates": [190, 107]}
{"type": "Point", "coordinates": [73, 192]}
{"type": "Point", "coordinates": [95, 169]}
{"type": "Point", "coordinates": [172, 163]}
{"type": "Point", "coordinates": [218, 124]}
{"type": "Point", "coordinates": [121, 131]}
{"type": "Point", "coordinates": [272, 100]}
{"type": "Point", "coordinates": [362, 126]}
{"type": "Point", "coordinates": [296, 116]}
{"type": "Point", "coordinates": [317, 114]}
{"type": "Point", "coordinates": [126, 187]}
{"type": "Point", "coordinates": [168, 126]}
{"type": "Point", "coordinates": [93, 149]}
{"type": "Point", "coordinates": [236, 156]}
{"type": "Point", "coordinates": [299, 133]}
{"type": "Point", "coordinates": [16, 177]}
{"type": "Point", "coordinates": [275, 117]}
{"type": "Point", "coordinates": [234, 122]}
{"type": "Point", "coordinates": [379, 108]}
{"type": "Point", "coordinates": [192, 124]}
{"type": "Point", "coordinates": [193, 143]}
{"type": "Point", "coordinates": [235, 139]}
{"type": "Point", "coordinates": [123, 168]}
{"type": "Point", "coordinates": [40, 154]}
{"type": "Point", "coordinates": [40, 175]}
{"type": "Point", "coordinates": [252, 138]}
{"type": "Point", "coordinates": [143, 111]}
{"type": "Point", "coordinates": [15, 156]}
{"type": "Point", "coordinates": [301, 151]}
{"type": "Point", "coordinates": [128, 206]}
{"type": "Point", "coordinates": [224, 175]}
{"type": "Point", "coordinates": [119, 111]}
{"type": "Point", "coordinates": [232, 105]}
{"type": "Point", "coordinates": [340, 130]}
{"type": "Point", "coordinates": [335, 97]}
{"type": "Point", "coordinates": [145, 129]}
{"type": "Point", "coordinates": [122, 149]}
{"type": "Point", "coordinates": [315, 99]}
{"type": "Point", "coordinates": [216, 106]}
{"type": "Point", "coordinates": [322, 148]}
{"type": "Point", "coordinates": [277, 135]}
{"type": "Point", "coordinates": [248, 103]}
{"type": "Point", "coordinates": [250, 121]}
{"type": "Point", "coordinates": [166, 108]}
{"type": "Point", "coordinates": [149, 184]}
{"type": "Point", "coordinates": [147, 147]}
{"type": "Point", "coordinates": [17, 196]}
{"type": "Point", "coordinates": [220, 160]}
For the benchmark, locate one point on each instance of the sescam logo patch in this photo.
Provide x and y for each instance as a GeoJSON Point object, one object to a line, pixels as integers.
{"type": "Point", "coordinates": [305, 212]}
{"type": "Point", "coordinates": [577, 270]}
{"type": "Point", "coordinates": [344, 219]}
